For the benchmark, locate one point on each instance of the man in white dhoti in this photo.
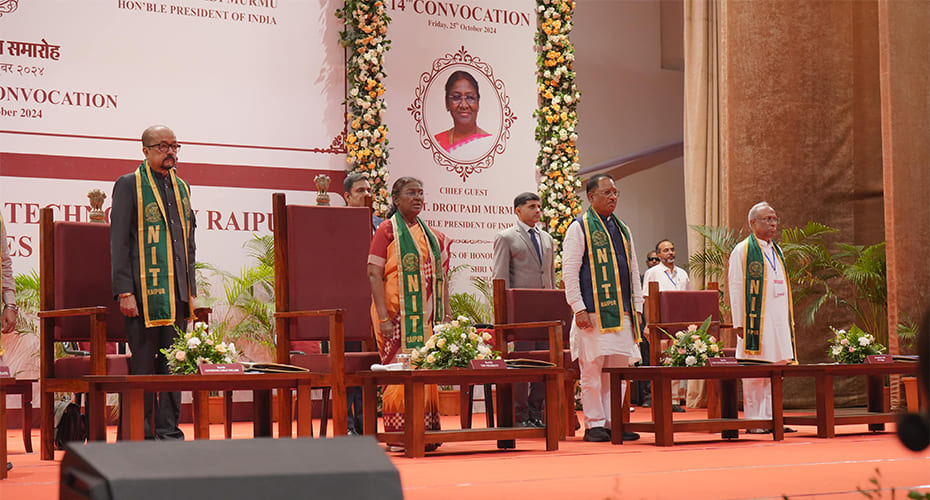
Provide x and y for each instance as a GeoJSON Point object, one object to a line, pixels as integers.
{"type": "Point", "coordinates": [760, 299]}
{"type": "Point", "coordinates": [603, 289]}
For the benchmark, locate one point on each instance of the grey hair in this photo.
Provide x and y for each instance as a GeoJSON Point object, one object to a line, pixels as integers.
{"type": "Point", "coordinates": [755, 209]}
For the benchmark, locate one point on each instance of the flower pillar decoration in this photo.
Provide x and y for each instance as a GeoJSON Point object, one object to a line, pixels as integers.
{"type": "Point", "coordinates": [366, 139]}
{"type": "Point", "coordinates": [556, 120]}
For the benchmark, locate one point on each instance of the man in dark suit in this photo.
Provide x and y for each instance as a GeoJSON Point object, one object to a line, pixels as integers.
{"type": "Point", "coordinates": [524, 258]}
{"type": "Point", "coordinates": [157, 301]}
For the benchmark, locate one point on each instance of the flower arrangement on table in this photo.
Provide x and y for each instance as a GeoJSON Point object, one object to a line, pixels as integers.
{"type": "Point", "coordinates": [853, 346]}
{"type": "Point", "coordinates": [692, 347]}
{"type": "Point", "coordinates": [198, 347]}
{"type": "Point", "coordinates": [453, 345]}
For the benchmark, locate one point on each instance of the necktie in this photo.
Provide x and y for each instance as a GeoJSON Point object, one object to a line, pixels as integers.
{"type": "Point", "coordinates": [535, 243]}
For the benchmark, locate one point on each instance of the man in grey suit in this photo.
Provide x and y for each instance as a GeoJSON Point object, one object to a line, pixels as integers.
{"type": "Point", "coordinates": [524, 258]}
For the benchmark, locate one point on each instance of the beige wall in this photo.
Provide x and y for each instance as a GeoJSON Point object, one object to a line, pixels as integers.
{"type": "Point", "coordinates": [629, 104]}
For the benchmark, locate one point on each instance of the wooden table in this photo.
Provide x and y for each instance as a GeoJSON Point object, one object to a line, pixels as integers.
{"type": "Point", "coordinates": [825, 417]}
{"type": "Point", "coordinates": [664, 426]}
{"type": "Point", "coordinates": [132, 389]}
{"type": "Point", "coordinates": [5, 383]}
{"type": "Point", "coordinates": [23, 388]}
{"type": "Point", "coordinates": [415, 436]}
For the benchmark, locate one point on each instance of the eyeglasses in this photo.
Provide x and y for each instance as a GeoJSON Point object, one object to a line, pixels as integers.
{"type": "Point", "coordinates": [165, 147]}
{"type": "Point", "coordinates": [652, 259]}
{"type": "Point", "coordinates": [457, 99]}
{"type": "Point", "coordinates": [769, 220]}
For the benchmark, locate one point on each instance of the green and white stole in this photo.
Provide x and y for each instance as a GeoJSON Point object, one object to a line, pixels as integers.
{"type": "Point", "coordinates": [413, 282]}
{"type": "Point", "coordinates": [605, 275]}
{"type": "Point", "coordinates": [156, 254]}
{"type": "Point", "coordinates": [754, 288]}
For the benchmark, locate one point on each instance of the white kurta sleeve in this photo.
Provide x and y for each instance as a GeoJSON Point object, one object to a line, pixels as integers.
{"type": "Point", "coordinates": [572, 254]}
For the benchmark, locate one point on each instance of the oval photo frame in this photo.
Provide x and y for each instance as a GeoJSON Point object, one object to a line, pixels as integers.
{"type": "Point", "coordinates": [431, 117]}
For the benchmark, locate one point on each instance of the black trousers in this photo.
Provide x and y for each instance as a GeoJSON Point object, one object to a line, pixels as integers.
{"type": "Point", "coordinates": [528, 399]}
{"type": "Point", "coordinates": [163, 408]}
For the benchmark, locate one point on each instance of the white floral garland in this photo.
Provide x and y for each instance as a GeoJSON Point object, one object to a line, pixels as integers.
{"type": "Point", "coordinates": [366, 140]}
{"type": "Point", "coordinates": [556, 119]}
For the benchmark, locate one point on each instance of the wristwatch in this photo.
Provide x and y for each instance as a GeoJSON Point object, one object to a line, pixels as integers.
{"type": "Point", "coordinates": [11, 306]}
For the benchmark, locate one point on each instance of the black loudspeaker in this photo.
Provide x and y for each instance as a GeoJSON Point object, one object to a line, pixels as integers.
{"type": "Point", "coordinates": [253, 469]}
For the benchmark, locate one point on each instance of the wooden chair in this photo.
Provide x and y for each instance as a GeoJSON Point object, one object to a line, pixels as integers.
{"type": "Point", "coordinates": [675, 310]}
{"type": "Point", "coordinates": [76, 305]}
{"type": "Point", "coordinates": [322, 293]}
{"type": "Point", "coordinates": [514, 308]}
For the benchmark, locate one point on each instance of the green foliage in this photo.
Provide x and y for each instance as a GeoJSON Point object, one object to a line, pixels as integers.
{"type": "Point", "coordinates": [851, 277]}
{"type": "Point", "coordinates": [27, 299]}
{"type": "Point", "coordinates": [474, 306]}
{"type": "Point", "coordinates": [711, 262]}
{"type": "Point", "coordinates": [248, 297]}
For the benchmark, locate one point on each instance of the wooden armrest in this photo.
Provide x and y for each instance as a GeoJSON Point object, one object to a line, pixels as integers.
{"type": "Point", "coordinates": [555, 337]}
{"type": "Point", "coordinates": [671, 328]}
{"type": "Point", "coordinates": [308, 314]}
{"type": "Point", "coordinates": [533, 324]}
{"type": "Point", "coordinates": [78, 311]}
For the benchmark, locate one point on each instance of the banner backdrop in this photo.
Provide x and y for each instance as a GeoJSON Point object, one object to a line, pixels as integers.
{"type": "Point", "coordinates": [469, 184]}
{"type": "Point", "coordinates": [253, 90]}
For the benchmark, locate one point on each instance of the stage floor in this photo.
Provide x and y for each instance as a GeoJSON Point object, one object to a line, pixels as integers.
{"type": "Point", "coordinates": [701, 466]}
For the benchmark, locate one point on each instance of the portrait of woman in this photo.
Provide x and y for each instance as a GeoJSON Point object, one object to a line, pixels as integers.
{"type": "Point", "coordinates": [462, 98]}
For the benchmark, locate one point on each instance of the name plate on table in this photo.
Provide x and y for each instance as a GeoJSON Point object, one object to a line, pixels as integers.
{"type": "Point", "coordinates": [223, 369]}
{"type": "Point", "coordinates": [877, 359]}
{"type": "Point", "coordinates": [477, 364]}
{"type": "Point", "coordinates": [722, 361]}
{"type": "Point", "coordinates": [5, 371]}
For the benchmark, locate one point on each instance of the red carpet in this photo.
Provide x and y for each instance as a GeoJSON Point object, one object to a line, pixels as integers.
{"type": "Point", "coordinates": [699, 466]}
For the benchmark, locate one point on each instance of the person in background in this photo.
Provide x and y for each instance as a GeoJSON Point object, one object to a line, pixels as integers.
{"type": "Point", "coordinates": [669, 277]}
{"type": "Point", "coordinates": [524, 258]}
{"type": "Point", "coordinates": [356, 189]}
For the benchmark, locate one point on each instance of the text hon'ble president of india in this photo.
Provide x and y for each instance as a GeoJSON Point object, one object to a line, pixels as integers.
{"type": "Point", "coordinates": [465, 139]}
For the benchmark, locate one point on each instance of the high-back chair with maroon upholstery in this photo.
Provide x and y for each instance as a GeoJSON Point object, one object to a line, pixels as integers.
{"type": "Point", "coordinates": [76, 305]}
{"type": "Point", "coordinates": [527, 305]}
{"type": "Point", "coordinates": [322, 293]}
{"type": "Point", "coordinates": [674, 310]}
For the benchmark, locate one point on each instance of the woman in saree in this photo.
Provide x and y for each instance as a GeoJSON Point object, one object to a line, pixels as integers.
{"type": "Point", "coordinates": [465, 139]}
{"type": "Point", "coordinates": [407, 267]}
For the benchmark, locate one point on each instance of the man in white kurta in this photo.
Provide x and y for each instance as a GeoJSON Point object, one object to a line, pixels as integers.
{"type": "Point", "coordinates": [669, 277]}
{"type": "Point", "coordinates": [776, 343]}
{"type": "Point", "coordinates": [593, 349]}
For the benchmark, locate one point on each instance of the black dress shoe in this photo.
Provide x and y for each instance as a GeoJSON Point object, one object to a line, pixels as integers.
{"type": "Point", "coordinates": [789, 429]}
{"type": "Point", "coordinates": [677, 409]}
{"type": "Point", "coordinates": [597, 435]}
{"type": "Point", "coordinates": [630, 436]}
{"type": "Point", "coordinates": [9, 465]}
